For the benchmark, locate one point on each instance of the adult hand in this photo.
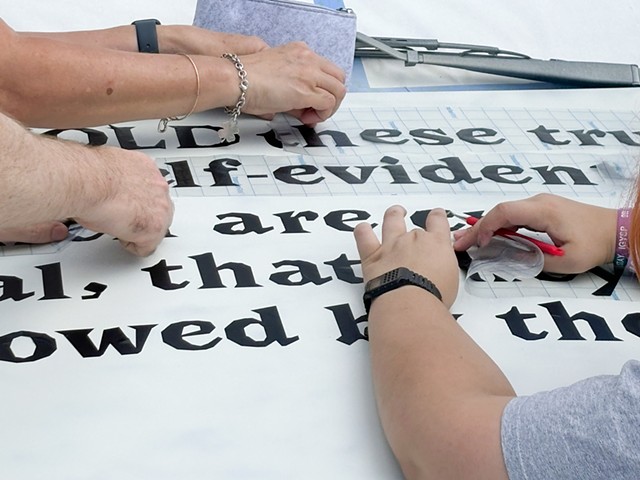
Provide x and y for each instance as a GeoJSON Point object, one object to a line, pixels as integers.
{"type": "Point", "coordinates": [136, 206]}
{"type": "Point", "coordinates": [292, 78]}
{"type": "Point", "coordinates": [585, 232]}
{"type": "Point", "coordinates": [427, 252]}
{"type": "Point", "coordinates": [122, 194]}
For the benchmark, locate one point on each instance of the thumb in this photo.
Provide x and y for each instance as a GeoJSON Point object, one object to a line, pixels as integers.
{"type": "Point", "coordinates": [46, 232]}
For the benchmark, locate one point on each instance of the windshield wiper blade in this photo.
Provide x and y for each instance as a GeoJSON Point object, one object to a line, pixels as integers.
{"type": "Point", "coordinates": [485, 59]}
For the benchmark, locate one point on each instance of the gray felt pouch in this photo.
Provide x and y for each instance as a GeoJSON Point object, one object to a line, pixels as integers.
{"type": "Point", "coordinates": [328, 32]}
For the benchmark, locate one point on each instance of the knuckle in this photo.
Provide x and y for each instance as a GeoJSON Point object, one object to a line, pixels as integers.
{"type": "Point", "coordinates": [257, 43]}
{"type": "Point", "coordinates": [158, 226]}
{"type": "Point", "coordinates": [541, 196]}
{"type": "Point", "coordinates": [543, 200]}
{"type": "Point", "coordinates": [502, 209]}
{"type": "Point", "coordinates": [302, 51]}
{"type": "Point", "coordinates": [163, 187]}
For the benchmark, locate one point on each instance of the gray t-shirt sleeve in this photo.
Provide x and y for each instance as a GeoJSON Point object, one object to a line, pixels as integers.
{"type": "Point", "coordinates": [589, 430]}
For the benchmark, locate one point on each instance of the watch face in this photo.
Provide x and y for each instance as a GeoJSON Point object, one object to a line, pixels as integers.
{"type": "Point", "coordinates": [394, 279]}
{"type": "Point", "coordinates": [384, 279]}
{"type": "Point", "coordinates": [375, 283]}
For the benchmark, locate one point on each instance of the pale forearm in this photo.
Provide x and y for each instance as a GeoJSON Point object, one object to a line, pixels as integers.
{"type": "Point", "coordinates": [45, 179]}
{"type": "Point", "coordinates": [436, 389]}
{"type": "Point", "coordinates": [52, 83]}
{"type": "Point", "coordinates": [117, 38]}
{"type": "Point", "coordinates": [171, 39]}
{"type": "Point", "coordinates": [74, 80]}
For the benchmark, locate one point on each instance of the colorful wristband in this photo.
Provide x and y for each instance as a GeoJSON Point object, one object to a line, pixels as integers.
{"type": "Point", "coordinates": [622, 239]}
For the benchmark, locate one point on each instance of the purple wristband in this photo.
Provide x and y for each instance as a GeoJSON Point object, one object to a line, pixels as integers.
{"type": "Point", "coordinates": [622, 239]}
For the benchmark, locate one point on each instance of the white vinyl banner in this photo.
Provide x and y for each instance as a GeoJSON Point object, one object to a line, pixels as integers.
{"type": "Point", "coordinates": [238, 349]}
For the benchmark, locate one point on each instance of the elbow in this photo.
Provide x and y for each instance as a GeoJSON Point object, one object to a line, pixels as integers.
{"type": "Point", "coordinates": [415, 465]}
{"type": "Point", "coordinates": [18, 103]}
{"type": "Point", "coordinates": [11, 100]}
{"type": "Point", "coordinates": [460, 443]}
{"type": "Point", "coordinates": [22, 108]}
{"type": "Point", "coordinates": [15, 105]}
{"type": "Point", "coordinates": [421, 465]}
{"type": "Point", "coordinates": [413, 470]}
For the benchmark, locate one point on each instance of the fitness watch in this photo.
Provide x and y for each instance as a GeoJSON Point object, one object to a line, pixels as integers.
{"type": "Point", "coordinates": [393, 279]}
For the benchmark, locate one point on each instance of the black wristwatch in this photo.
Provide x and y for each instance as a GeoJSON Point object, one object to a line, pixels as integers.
{"type": "Point", "coordinates": [147, 35]}
{"type": "Point", "coordinates": [393, 279]}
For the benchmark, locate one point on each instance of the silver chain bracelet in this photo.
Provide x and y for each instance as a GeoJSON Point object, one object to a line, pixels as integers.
{"type": "Point", "coordinates": [230, 128]}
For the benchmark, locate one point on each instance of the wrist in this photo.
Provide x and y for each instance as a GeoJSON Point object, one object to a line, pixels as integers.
{"type": "Point", "coordinates": [91, 178]}
{"type": "Point", "coordinates": [220, 82]}
{"type": "Point", "coordinates": [170, 39]}
{"type": "Point", "coordinates": [394, 279]}
{"type": "Point", "coordinates": [404, 302]}
{"type": "Point", "coordinates": [95, 184]}
{"type": "Point", "coordinates": [67, 179]}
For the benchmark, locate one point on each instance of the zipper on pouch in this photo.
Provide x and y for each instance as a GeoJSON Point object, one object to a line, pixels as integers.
{"type": "Point", "coordinates": [313, 6]}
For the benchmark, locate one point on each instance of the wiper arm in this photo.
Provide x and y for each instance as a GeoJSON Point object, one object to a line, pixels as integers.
{"type": "Point", "coordinates": [495, 61]}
